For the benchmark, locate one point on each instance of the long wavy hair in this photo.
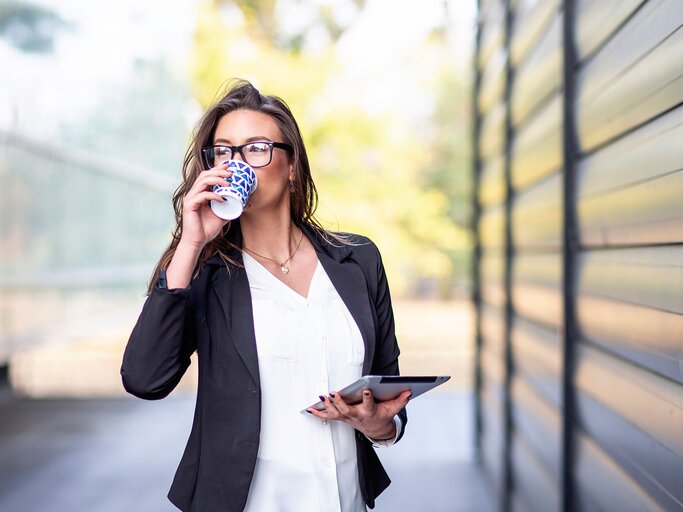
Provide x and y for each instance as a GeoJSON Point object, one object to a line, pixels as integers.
{"type": "Point", "coordinates": [242, 95]}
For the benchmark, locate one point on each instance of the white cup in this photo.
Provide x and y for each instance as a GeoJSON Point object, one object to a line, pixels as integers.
{"type": "Point", "coordinates": [236, 192]}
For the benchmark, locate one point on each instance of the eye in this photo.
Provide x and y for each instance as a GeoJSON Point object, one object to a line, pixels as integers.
{"type": "Point", "coordinates": [221, 151]}
{"type": "Point", "coordinates": [258, 147]}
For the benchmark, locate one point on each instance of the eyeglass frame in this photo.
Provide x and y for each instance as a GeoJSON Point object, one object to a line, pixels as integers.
{"type": "Point", "coordinates": [238, 150]}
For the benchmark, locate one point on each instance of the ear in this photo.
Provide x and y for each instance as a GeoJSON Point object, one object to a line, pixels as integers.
{"type": "Point", "coordinates": [292, 174]}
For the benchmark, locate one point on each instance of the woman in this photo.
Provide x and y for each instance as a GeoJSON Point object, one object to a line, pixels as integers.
{"type": "Point", "coordinates": [278, 310]}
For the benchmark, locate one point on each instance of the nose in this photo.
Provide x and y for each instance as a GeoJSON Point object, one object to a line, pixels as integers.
{"type": "Point", "coordinates": [238, 152]}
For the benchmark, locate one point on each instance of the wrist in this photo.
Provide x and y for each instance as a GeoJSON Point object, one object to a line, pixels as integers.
{"type": "Point", "coordinates": [180, 269]}
{"type": "Point", "coordinates": [190, 246]}
{"type": "Point", "coordinates": [383, 434]}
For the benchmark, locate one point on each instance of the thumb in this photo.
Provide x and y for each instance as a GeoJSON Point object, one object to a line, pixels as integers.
{"type": "Point", "coordinates": [368, 400]}
{"type": "Point", "coordinates": [405, 397]}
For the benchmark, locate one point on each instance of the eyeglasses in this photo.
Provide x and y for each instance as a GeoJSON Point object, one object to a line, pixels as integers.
{"type": "Point", "coordinates": [256, 154]}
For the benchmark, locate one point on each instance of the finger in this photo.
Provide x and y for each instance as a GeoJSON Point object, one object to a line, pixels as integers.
{"type": "Point", "coordinates": [206, 185]}
{"type": "Point", "coordinates": [216, 172]}
{"type": "Point", "coordinates": [340, 404]}
{"type": "Point", "coordinates": [201, 199]}
{"type": "Point", "coordinates": [331, 407]}
{"type": "Point", "coordinates": [222, 165]}
{"type": "Point", "coordinates": [210, 178]}
{"type": "Point", "coordinates": [322, 414]}
{"type": "Point", "coordinates": [369, 403]}
{"type": "Point", "coordinates": [404, 398]}
{"type": "Point", "coordinates": [392, 407]}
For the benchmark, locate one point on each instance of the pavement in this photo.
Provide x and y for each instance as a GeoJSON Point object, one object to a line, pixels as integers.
{"type": "Point", "coordinates": [120, 454]}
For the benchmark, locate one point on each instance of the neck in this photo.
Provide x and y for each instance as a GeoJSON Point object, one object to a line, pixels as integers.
{"type": "Point", "coordinates": [272, 236]}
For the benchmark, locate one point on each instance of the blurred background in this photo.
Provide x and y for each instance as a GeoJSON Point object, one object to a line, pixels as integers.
{"type": "Point", "coordinates": [97, 104]}
{"type": "Point", "coordinates": [518, 163]}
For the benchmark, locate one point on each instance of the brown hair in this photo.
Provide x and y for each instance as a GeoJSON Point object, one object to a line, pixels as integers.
{"type": "Point", "coordinates": [240, 94]}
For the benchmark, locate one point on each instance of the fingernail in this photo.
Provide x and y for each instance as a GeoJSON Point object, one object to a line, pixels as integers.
{"type": "Point", "coordinates": [332, 395]}
{"type": "Point", "coordinates": [322, 398]}
{"type": "Point", "coordinates": [366, 393]}
{"type": "Point", "coordinates": [309, 411]}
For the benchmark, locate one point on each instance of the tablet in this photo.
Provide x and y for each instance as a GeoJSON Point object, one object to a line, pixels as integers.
{"type": "Point", "coordinates": [386, 387]}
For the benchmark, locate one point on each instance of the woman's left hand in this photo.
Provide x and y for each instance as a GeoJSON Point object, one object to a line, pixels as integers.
{"type": "Point", "coordinates": [374, 419]}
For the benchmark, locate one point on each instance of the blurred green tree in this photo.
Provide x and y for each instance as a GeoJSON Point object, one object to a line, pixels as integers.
{"type": "Point", "coordinates": [382, 175]}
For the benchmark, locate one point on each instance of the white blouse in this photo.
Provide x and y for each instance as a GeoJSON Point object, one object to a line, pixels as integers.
{"type": "Point", "coordinates": [306, 346]}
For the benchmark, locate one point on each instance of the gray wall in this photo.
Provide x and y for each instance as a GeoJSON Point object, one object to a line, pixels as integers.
{"type": "Point", "coordinates": [579, 263]}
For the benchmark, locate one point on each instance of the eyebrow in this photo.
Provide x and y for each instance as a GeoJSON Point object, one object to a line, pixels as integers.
{"type": "Point", "coordinates": [250, 139]}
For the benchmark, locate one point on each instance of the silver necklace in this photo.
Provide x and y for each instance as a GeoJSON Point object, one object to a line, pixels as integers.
{"type": "Point", "coordinates": [283, 265]}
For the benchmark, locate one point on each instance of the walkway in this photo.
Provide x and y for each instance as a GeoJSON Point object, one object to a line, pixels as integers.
{"type": "Point", "coordinates": [116, 455]}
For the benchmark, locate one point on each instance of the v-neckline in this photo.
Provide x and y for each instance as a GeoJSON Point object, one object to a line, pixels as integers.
{"type": "Point", "coordinates": [280, 283]}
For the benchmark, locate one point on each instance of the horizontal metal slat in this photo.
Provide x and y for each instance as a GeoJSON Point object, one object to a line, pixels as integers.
{"type": "Point", "coordinates": [652, 404]}
{"type": "Point", "coordinates": [539, 303]}
{"type": "Point", "coordinates": [492, 81]}
{"type": "Point", "coordinates": [649, 276]}
{"type": "Point", "coordinates": [531, 20]}
{"type": "Point", "coordinates": [627, 193]}
{"type": "Point", "coordinates": [541, 268]}
{"type": "Point", "coordinates": [649, 337]}
{"type": "Point", "coordinates": [601, 485]}
{"type": "Point", "coordinates": [492, 227]}
{"type": "Point", "coordinates": [536, 294]}
{"type": "Point", "coordinates": [539, 424]}
{"type": "Point", "coordinates": [493, 292]}
{"type": "Point", "coordinates": [492, 435]}
{"type": "Point", "coordinates": [493, 329]}
{"type": "Point", "coordinates": [492, 270]}
{"type": "Point", "coordinates": [536, 290]}
{"type": "Point", "coordinates": [537, 215]}
{"type": "Point", "coordinates": [492, 23]}
{"type": "Point", "coordinates": [647, 153]}
{"type": "Point", "coordinates": [537, 357]}
{"type": "Point", "coordinates": [596, 21]}
{"type": "Point", "coordinates": [647, 212]}
{"type": "Point", "coordinates": [637, 76]}
{"type": "Point", "coordinates": [493, 367]}
{"type": "Point", "coordinates": [492, 432]}
{"type": "Point", "coordinates": [492, 132]}
{"type": "Point", "coordinates": [493, 463]}
{"type": "Point", "coordinates": [644, 32]}
{"type": "Point", "coordinates": [537, 145]}
{"type": "Point", "coordinates": [539, 76]}
{"type": "Point", "coordinates": [637, 418]}
{"type": "Point", "coordinates": [534, 490]}
{"type": "Point", "coordinates": [646, 462]}
{"type": "Point", "coordinates": [492, 182]}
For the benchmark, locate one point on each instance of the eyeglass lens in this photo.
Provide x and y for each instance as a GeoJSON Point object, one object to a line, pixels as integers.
{"type": "Point", "coordinates": [256, 154]}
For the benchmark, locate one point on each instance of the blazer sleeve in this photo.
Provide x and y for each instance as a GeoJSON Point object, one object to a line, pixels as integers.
{"type": "Point", "coordinates": [159, 349]}
{"type": "Point", "coordinates": [385, 361]}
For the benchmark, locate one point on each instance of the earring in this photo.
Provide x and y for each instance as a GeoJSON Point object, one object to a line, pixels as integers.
{"type": "Point", "coordinates": [291, 187]}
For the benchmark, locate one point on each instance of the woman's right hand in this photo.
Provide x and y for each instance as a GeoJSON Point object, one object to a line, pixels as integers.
{"type": "Point", "coordinates": [200, 224]}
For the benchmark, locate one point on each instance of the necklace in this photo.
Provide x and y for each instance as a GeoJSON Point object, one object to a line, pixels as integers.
{"type": "Point", "coordinates": [283, 265]}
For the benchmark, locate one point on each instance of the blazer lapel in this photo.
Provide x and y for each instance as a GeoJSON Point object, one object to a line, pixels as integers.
{"type": "Point", "coordinates": [349, 280]}
{"type": "Point", "coordinates": [234, 295]}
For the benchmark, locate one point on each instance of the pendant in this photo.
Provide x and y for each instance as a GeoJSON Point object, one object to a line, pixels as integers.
{"type": "Point", "coordinates": [285, 270]}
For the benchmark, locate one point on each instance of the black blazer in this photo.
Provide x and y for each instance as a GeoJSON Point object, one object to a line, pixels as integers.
{"type": "Point", "coordinates": [214, 317]}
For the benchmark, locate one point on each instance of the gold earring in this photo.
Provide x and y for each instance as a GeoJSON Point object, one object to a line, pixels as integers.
{"type": "Point", "coordinates": [291, 187]}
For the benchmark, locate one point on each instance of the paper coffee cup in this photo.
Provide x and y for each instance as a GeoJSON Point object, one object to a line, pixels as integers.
{"type": "Point", "coordinates": [235, 193]}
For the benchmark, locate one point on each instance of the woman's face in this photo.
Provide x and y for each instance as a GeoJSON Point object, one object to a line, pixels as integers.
{"type": "Point", "coordinates": [243, 126]}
